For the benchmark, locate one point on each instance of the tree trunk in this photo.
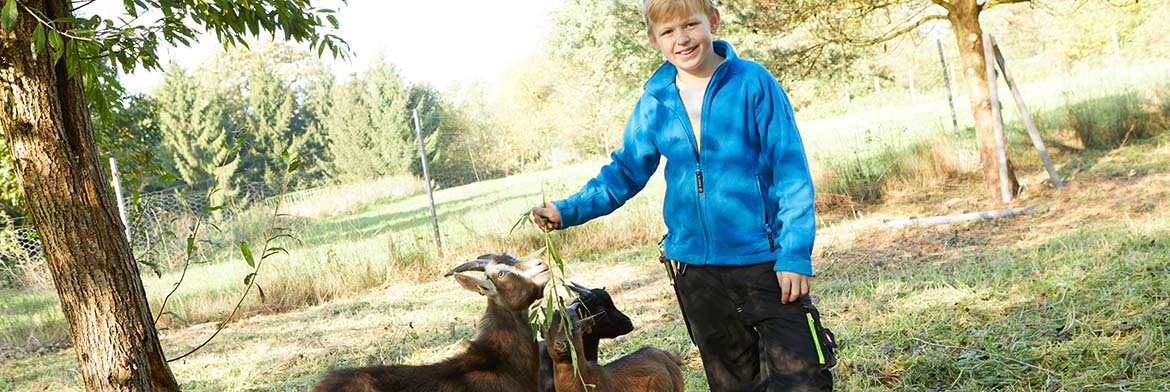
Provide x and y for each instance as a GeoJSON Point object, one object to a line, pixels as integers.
{"type": "Point", "coordinates": [50, 136]}
{"type": "Point", "coordinates": [969, 35]}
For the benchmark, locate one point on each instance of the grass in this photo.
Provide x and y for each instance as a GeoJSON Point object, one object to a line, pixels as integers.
{"type": "Point", "coordinates": [1079, 290]}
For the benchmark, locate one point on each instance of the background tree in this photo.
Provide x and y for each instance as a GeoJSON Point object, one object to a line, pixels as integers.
{"type": "Point", "coordinates": [863, 23]}
{"type": "Point", "coordinates": [369, 135]}
{"type": "Point", "coordinates": [133, 138]}
{"type": "Point", "coordinates": [45, 55]}
{"type": "Point", "coordinates": [470, 149]}
{"type": "Point", "coordinates": [198, 125]}
{"type": "Point", "coordinates": [270, 81]}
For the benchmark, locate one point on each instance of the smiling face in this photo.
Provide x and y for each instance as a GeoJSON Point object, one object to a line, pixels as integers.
{"type": "Point", "coordinates": [685, 41]}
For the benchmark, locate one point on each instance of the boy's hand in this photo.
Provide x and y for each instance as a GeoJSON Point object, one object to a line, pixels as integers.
{"type": "Point", "coordinates": [792, 286]}
{"type": "Point", "coordinates": [547, 218]}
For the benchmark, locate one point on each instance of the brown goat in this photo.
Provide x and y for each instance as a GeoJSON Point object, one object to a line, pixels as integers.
{"type": "Point", "coordinates": [502, 357]}
{"type": "Point", "coordinates": [646, 370]}
{"type": "Point", "coordinates": [610, 324]}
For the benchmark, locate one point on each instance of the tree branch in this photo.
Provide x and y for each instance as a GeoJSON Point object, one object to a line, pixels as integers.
{"type": "Point", "coordinates": [993, 3]}
{"type": "Point", "coordinates": [50, 25]}
{"type": "Point", "coordinates": [945, 4]}
{"type": "Point", "coordinates": [891, 34]}
{"type": "Point", "coordinates": [82, 6]}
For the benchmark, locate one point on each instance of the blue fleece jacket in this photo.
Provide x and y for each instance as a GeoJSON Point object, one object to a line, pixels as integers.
{"type": "Point", "coordinates": [745, 198]}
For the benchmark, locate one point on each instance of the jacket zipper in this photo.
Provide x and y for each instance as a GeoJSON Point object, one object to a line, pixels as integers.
{"type": "Point", "coordinates": [764, 206]}
{"type": "Point", "coordinates": [699, 163]}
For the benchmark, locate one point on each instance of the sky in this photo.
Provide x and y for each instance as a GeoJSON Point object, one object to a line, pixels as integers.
{"type": "Point", "coordinates": [434, 41]}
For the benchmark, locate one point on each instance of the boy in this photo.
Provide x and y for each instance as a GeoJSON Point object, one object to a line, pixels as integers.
{"type": "Point", "coordinates": [738, 206]}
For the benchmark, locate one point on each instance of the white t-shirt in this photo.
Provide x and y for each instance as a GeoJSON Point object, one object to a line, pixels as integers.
{"type": "Point", "coordinates": [692, 99]}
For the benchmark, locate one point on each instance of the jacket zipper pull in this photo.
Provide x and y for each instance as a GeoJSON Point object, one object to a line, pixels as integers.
{"type": "Point", "coordinates": [699, 179]}
{"type": "Point", "coordinates": [771, 242]}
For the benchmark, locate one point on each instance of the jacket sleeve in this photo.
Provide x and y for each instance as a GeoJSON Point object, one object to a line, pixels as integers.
{"type": "Point", "coordinates": [630, 167]}
{"type": "Point", "coordinates": [784, 153]}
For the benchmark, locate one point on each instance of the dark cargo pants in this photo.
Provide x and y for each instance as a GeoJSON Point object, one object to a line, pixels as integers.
{"type": "Point", "coordinates": [735, 317]}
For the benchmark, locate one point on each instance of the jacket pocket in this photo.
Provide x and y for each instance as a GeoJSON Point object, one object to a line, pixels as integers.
{"type": "Point", "coordinates": [766, 220]}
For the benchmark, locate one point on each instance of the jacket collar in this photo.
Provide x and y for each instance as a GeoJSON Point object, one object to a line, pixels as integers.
{"type": "Point", "coordinates": [661, 83]}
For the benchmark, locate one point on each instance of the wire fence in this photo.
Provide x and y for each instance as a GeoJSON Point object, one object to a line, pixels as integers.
{"type": "Point", "coordinates": [157, 224]}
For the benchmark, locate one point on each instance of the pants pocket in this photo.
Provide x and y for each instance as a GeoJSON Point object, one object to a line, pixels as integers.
{"type": "Point", "coordinates": [823, 339]}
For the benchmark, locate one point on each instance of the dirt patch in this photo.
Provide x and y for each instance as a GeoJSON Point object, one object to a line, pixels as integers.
{"type": "Point", "coordinates": [1107, 195]}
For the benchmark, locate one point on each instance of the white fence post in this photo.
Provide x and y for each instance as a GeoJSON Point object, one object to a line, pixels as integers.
{"type": "Point", "coordinates": [118, 192]}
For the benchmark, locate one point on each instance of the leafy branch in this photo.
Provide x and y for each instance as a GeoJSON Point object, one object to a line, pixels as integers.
{"type": "Point", "coordinates": [233, 150]}
{"type": "Point", "coordinates": [544, 314]}
{"type": "Point", "coordinates": [272, 234]}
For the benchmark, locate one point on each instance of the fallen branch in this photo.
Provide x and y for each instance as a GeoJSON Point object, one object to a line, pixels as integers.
{"type": "Point", "coordinates": [934, 220]}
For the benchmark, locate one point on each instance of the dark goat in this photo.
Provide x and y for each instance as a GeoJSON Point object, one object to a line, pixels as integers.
{"type": "Point", "coordinates": [610, 324]}
{"type": "Point", "coordinates": [502, 357]}
{"type": "Point", "coordinates": [646, 370]}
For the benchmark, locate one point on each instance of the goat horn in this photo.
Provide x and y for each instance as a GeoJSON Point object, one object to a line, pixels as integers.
{"type": "Point", "coordinates": [474, 265]}
{"type": "Point", "coordinates": [499, 258]}
{"type": "Point", "coordinates": [581, 290]}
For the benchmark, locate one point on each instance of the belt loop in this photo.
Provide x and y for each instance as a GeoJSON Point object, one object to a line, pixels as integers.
{"type": "Point", "coordinates": [682, 269]}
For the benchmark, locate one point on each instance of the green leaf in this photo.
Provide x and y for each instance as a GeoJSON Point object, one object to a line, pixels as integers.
{"type": "Point", "coordinates": [57, 44]}
{"type": "Point", "coordinates": [272, 251]}
{"type": "Point", "coordinates": [526, 216]}
{"type": "Point", "coordinates": [294, 166]}
{"type": "Point", "coordinates": [190, 245]}
{"type": "Point", "coordinates": [532, 255]}
{"type": "Point", "coordinates": [153, 266]}
{"type": "Point", "coordinates": [247, 254]}
{"type": "Point", "coordinates": [248, 278]}
{"type": "Point", "coordinates": [8, 15]}
{"type": "Point", "coordinates": [38, 39]}
{"type": "Point", "coordinates": [175, 315]}
{"type": "Point", "coordinates": [76, 21]}
{"type": "Point", "coordinates": [72, 58]}
{"type": "Point", "coordinates": [263, 298]}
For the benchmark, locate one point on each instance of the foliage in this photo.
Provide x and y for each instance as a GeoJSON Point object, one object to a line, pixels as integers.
{"type": "Point", "coordinates": [133, 138]}
{"type": "Point", "coordinates": [368, 131]}
{"type": "Point", "coordinates": [468, 146]}
{"type": "Point", "coordinates": [271, 82]}
{"type": "Point", "coordinates": [198, 128]}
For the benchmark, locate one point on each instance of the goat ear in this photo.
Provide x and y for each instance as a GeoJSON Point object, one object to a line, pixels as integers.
{"type": "Point", "coordinates": [586, 324]}
{"type": "Point", "coordinates": [481, 286]}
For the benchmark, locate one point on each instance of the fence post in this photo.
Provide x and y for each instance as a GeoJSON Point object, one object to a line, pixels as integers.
{"type": "Point", "coordinates": [1033, 130]}
{"type": "Point", "coordinates": [422, 155]}
{"type": "Point", "coordinates": [942, 60]}
{"type": "Point", "coordinates": [997, 118]}
{"type": "Point", "coordinates": [118, 192]}
{"type": "Point", "coordinates": [1116, 47]}
{"type": "Point", "coordinates": [913, 92]}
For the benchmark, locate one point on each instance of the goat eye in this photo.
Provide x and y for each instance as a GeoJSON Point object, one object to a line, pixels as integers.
{"type": "Point", "coordinates": [500, 274]}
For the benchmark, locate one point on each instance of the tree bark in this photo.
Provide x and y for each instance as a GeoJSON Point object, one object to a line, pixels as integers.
{"type": "Point", "coordinates": [964, 18]}
{"type": "Point", "coordinates": [50, 136]}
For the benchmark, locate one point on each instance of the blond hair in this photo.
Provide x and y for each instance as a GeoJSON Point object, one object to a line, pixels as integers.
{"type": "Point", "coordinates": [659, 10]}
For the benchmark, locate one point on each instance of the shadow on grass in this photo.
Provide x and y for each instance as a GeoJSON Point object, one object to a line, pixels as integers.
{"type": "Point", "coordinates": [1088, 308]}
{"type": "Point", "coordinates": [365, 226]}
